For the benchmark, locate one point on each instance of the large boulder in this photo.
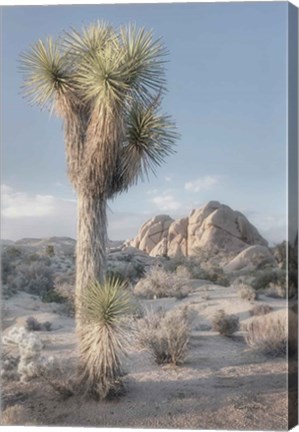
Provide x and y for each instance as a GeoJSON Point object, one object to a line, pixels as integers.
{"type": "Point", "coordinates": [250, 259]}
{"type": "Point", "coordinates": [177, 238]}
{"type": "Point", "coordinates": [218, 227]}
{"type": "Point", "coordinates": [152, 232]}
{"type": "Point", "coordinates": [213, 228]}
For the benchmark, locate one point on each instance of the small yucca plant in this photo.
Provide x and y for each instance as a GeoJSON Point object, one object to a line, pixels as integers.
{"type": "Point", "coordinates": [104, 336]}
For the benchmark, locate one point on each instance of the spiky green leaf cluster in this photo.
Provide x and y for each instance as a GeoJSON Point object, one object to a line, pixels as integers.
{"type": "Point", "coordinates": [150, 137]}
{"type": "Point", "coordinates": [99, 80]}
{"type": "Point", "coordinates": [99, 64]}
{"type": "Point", "coordinates": [106, 304]}
{"type": "Point", "coordinates": [104, 334]}
{"type": "Point", "coordinates": [45, 71]}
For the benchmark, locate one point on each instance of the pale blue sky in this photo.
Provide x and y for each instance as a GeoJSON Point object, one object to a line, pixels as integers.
{"type": "Point", "coordinates": [227, 92]}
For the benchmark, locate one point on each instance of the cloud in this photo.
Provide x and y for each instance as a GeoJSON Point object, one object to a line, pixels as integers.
{"type": "Point", "coordinates": [19, 205]}
{"type": "Point", "coordinates": [166, 202]}
{"type": "Point", "coordinates": [168, 178]}
{"type": "Point", "coordinates": [35, 215]}
{"type": "Point", "coordinates": [152, 191]}
{"type": "Point", "coordinates": [202, 183]}
{"type": "Point", "coordinates": [41, 216]}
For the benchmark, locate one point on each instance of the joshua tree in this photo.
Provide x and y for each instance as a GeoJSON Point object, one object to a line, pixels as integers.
{"type": "Point", "coordinates": [107, 86]}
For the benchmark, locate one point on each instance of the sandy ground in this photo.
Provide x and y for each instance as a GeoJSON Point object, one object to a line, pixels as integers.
{"type": "Point", "coordinates": [222, 384]}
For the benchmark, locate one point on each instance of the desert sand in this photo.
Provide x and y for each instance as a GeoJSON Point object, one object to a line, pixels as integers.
{"type": "Point", "coordinates": [223, 384]}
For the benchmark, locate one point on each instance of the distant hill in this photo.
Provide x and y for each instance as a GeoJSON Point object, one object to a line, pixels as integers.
{"type": "Point", "coordinates": [62, 245]}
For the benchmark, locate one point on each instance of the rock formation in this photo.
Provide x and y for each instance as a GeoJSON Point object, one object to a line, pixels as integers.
{"type": "Point", "coordinates": [214, 227]}
{"type": "Point", "coordinates": [152, 233]}
{"type": "Point", "coordinates": [250, 258]}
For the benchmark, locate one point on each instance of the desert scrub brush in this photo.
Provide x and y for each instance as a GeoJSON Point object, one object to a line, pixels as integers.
{"type": "Point", "coordinates": [104, 334]}
{"type": "Point", "coordinates": [165, 335]}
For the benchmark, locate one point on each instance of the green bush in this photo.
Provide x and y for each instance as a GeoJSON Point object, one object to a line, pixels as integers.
{"type": "Point", "coordinates": [52, 297]}
{"type": "Point", "coordinates": [263, 278]}
{"type": "Point", "coordinates": [116, 274]}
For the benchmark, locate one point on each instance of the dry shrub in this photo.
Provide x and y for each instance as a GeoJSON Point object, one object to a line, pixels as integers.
{"type": "Point", "coordinates": [67, 292]}
{"type": "Point", "coordinates": [216, 275]}
{"type": "Point", "coordinates": [16, 415]}
{"type": "Point", "coordinates": [9, 365]}
{"type": "Point", "coordinates": [159, 283]}
{"type": "Point", "coordinates": [281, 290]}
{"type": "Point", "coordinates": [270, 334]}
{"type": "Point", "coordinates": [261, 309]}
{"type": "Point", "coordinates": [57, 376]}
{"type": "Point", "coordinates": [183, 272]}
{"type": "Point", "coordinates": [33, 324]}
{"type": "Point", "coordinates": [246, 292]}
{"type": "Point", "coordinates": [275, 280]}
{"type": "Point", "coordinates": [182, 292]}
{"type": "Point", "coordinates": [225, 324]}
{"type": "Point", "coordinates": [36, 278]}
{"type": "Point", "coordinates": [165, 335]}
{"type": "Point", "coordinates": [191, 264]}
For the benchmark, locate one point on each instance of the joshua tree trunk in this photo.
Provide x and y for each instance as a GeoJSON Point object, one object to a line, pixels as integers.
{"type": "Point", "coordinates": [91, 242]}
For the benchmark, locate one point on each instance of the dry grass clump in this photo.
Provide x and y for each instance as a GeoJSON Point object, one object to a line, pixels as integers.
{"type": "Point", "coordinates": [159, 283]}
{"type": "Point", "coordinates": [104, 336]}
{"type": "Point", "coordinates": [225, 324]}
{"type": "Point", "coordinates": [246, 292]}
{"type": "Point", "coordinates": [261, 309]}
{"type": "Point", "coordinates": [271, 335]}
{"type": "Point", "coordinates": [165, 335]}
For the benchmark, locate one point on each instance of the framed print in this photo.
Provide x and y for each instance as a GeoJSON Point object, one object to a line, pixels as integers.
{"type": "Point", "coordinates": [149, 235]}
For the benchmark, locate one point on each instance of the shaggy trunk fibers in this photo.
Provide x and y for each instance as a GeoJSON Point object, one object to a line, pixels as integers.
{"type": "Point", "coordinates": [91, 243]}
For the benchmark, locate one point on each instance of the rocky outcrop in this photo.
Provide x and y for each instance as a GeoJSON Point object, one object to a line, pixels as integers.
{"type": "Point", "coordinates": [214, 227]}
{"type": "Point", "coordinates": [250, 259]}
{"type": "Point", "coordinates": [177, 241]}
{"type": "Point", "coordinates": [217, 226]}
{"type": "Point", "coordinates": [152, 233]}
